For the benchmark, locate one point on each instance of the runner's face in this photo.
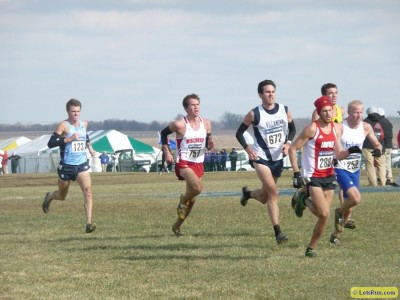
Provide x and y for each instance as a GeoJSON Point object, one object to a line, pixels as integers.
{"type": "Point", "coordinates": [332, 93]}
{"type": "Point", "coordinates": [326, 114]}
{"type": "Point", "coordinates": [268, 95]}
{"type": "Point", "coordinates": [74, 113]}
{"type": "Point", "coordinates": [356, 113]}
{"type": "Point", "coordinates": [193, 108]}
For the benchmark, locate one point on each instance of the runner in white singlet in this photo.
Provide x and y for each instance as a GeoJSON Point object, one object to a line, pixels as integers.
{"type": "Point", "coordinates": [193, 136]}
{"type": "Point", "coordinates": [354, 132]}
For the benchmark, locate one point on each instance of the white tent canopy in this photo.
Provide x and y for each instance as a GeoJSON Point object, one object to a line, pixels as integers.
{"type": "Point", "coordinates": [38, 158]}
{"type": "Point", "coordinates": [12, 143]}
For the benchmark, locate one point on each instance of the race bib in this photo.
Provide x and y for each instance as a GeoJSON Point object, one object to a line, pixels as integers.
{"type": "Point", "coordinates": [78, 146]}
{"type": "Point", "coordinates": [325, 161]}
{"type": "Point", "coordinates": [194, 150]}
{"type": "Point", "coordinates": [352, 164]}
{"type": "Point", "coordinates": [273, 137]}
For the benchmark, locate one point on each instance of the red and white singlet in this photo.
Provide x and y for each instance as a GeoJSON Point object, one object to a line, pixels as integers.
{"type": "Point", "coordinates": [193, 144]}
{"type": "Point", "coordinates": [317, 156]}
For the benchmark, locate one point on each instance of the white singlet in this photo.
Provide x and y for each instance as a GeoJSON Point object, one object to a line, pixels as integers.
{"type": "Point", "coordinates": [351, 137]}
{"type": "Point", "coordinates": [193, 144]}
{"type": "Point", "coordinates": [270, 130]}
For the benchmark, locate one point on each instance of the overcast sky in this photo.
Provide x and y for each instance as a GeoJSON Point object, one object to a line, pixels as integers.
{"type": "Point", "coordinates": [137, 59]}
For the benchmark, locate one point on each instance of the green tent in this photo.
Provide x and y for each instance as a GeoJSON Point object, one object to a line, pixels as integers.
{"type": "Point", "coordinates": [110, 141]}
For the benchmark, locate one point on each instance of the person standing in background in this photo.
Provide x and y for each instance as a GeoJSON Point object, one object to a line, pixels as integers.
{"type": "Point", "coordinates": [14, 158]}
{"type": "Point", "coordinates": [371, 161]}
{"type": "Point", "coordinates": [4, 163]}
{"type": "Point", "coordinates": [224, 157]}
{"type": "Point", "coordinates": [233, 157]}
{"type": "Point", "coordinates": [104, 160]}
{"type": "Point", "coordinates": [388, 145]}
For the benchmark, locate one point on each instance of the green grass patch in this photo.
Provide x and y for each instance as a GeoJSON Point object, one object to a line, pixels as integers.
{"type": "Point", "coordinates": [227, 251]}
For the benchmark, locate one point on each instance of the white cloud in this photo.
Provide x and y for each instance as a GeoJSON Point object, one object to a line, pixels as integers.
{"type": "Point", "coordinates": [151, 54]}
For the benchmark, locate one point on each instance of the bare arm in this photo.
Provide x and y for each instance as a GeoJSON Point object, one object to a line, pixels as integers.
{"type": "Point", "coordinates": [210, 142]}
{"type": "Point", "coordinates": [248, 120]}
{"type": "Point", "coordinates": [88, 144]}
{"type": "Point", "coordinates": [369, 132]}
{"type": "Point", "coordinates": [307, 133]}
{"type": "Point", "coordinates": [286, 146]}
{"type": "Point", "coordinates": [314, 116]}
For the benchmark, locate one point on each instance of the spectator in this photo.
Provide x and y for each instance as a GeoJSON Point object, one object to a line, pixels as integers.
{"type": "Point", "coordinates": [4, 162]}
{"type": "Point", "coordinates": [371, 161]}
{"type": "Point", "coordinates": [388, 145]}
{"type": "Point", "coordinates": [233, 157]}
{"type": "Point", "coordinates": [207, 161]}
{"type": "Point", "coordinates": [114, 159]}
{"type": "Point", "coordinates": [217, 161]}
{"type": "Point", "coordinates": [104, 160]}
{"type": "Point", "coordinates": [14, 158]}
{"type": "Point", "coordinates": [224, 157]}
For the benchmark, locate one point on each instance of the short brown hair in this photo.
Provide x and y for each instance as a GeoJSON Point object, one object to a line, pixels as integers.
{"type": "Point", "coordinates": [73, 102]}
{"type": "Point", "coordinates": [185, 101]}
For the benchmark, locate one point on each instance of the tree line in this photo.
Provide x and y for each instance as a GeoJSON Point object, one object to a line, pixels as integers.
{"type": "Point", "coordinates": [228, 121]}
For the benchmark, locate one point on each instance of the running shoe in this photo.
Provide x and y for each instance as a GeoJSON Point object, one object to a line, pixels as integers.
{"type": "Point", "coordinates": [310, 253]}
{"type": "Point", "coordinates": [46, 203]}
{"type": "Point", "coordinates": [90, 227]}
{"type": "Point", "coordinates": [334, 240]}
{"type": "Point", "coordinates": [281, 238]}
{"type": "Point", "coordinates": [244, 199]}
{"type": "Point", "coordinates": [176, 230]}
{"type": "Point", "coordinates": [300, 205]}
{"type": "Point", "coordinates": [338, 220]}
{"type": "Point", "coordinates": [350, 224]}
{"type": "Point", "coordinates": [295, 198]}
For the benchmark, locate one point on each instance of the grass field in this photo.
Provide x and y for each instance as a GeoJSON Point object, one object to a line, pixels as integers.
{"type": "Point", "coordinates": [228, 251]}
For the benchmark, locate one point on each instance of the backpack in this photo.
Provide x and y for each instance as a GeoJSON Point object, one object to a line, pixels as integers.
{"type": "Point", "coordinates": [378, 131]}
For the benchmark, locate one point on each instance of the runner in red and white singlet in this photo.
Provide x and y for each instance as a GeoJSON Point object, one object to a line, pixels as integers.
{"type": "Point", "coordinates": [193, 136]}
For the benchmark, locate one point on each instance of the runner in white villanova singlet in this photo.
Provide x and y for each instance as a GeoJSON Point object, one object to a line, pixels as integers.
{"type": "Point", "coordinates": [270, 130]}
{"type": "Point", "coordinates": [274, 130]}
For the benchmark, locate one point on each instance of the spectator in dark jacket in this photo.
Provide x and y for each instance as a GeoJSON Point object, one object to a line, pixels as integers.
{"type": "Point", "coordinates": [388, 145]}
{"type": "Point", "coordinates": [371, 161]}
{"type": "Point", "coordinates": [14, 158]}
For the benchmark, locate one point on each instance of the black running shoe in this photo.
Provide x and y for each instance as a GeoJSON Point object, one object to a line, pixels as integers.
{"type": "Point", "coordinates": [46, 203]}
{"type": "Point", "coordinates": [176, 230]}
{"type": "Point", "coordinates": [244, 199]}
{"type": "Point", "coordinates": [350, 224]}
{"type": "Point", "coordinates": [90, 227]}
